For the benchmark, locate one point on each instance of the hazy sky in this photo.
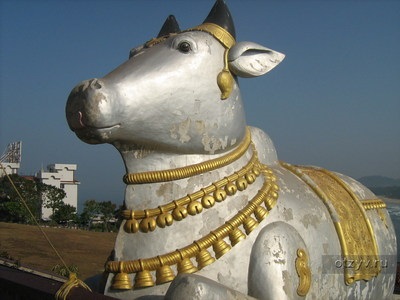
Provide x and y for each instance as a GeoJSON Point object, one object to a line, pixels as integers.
{"type": "Point", "coordinates": [333, 102]}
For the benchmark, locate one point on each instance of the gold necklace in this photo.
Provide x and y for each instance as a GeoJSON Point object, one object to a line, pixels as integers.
{"type": "Point", "coordinates": [181, 258]}
{"type": "Point", "coordinates": [192, 170]}
{"type": "Point", "coordinates": [164, 215]}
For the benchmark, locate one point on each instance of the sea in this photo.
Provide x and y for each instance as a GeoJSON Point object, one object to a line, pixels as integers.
{"type": "Point", "coordinates": [393, 206]}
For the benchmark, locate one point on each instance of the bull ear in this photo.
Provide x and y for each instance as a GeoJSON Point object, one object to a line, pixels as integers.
{"type": "Point", "coordinates": [170, 26]}
{"type": "Point", "coordinates": [247, 59]}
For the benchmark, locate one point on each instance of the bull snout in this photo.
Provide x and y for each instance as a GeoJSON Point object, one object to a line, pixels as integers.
{"type": "Point", "coordinates": [82, 107]}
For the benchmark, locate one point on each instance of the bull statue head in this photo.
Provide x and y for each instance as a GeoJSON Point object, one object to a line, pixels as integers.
{"type": "Point", "coordinates": [167, 96]}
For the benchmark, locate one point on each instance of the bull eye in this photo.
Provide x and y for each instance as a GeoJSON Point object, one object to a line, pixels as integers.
{"type": "Point", "coordinates": [184, 47]}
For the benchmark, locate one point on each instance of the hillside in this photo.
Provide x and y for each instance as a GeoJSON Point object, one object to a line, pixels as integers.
{"type": "Point", "coordinates": [379, 181]}
{"type": "Point", "coordinates": [86, 249]}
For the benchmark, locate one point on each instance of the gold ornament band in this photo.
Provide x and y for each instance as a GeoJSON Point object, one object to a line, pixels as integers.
{"type": "Point", "coordinates": [268, 194]}
{"type": "Point", "coordinates": [177, 210]}
{"type": "Point", "coordinates": [192, 170]}
{"type": "Point", "coordinates": [158, 40]}
{"type": "Point", "coordinates": [223, 36]}
{"type": "Point", "coordinates": [373, 204]}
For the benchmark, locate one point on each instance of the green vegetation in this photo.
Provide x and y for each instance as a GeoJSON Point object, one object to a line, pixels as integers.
{"type": "Point", "coordinates": [11, 207]}
{"type": "Point", "coordinates": [63, 271]}
{"type": "Point", "coordinates": [98, 216]}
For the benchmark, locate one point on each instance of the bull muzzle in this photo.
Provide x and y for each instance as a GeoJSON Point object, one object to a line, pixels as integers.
{"type": "Point", "coordinates": [82, 106]}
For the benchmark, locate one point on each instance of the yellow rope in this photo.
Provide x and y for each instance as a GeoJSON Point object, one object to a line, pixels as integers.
{"type": "Point", "coordinates": [71, 283]}
{"type": "Point", "coordinates": [73, 280]}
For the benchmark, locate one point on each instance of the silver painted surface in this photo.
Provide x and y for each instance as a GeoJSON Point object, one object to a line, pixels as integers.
{"type": "Point", "coordinates": [161, 109]}
{"type": "Point", "coordinates": [191, 286]}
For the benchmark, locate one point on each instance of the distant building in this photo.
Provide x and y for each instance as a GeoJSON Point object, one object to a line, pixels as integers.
{"type": "Point", "coordinates": [11, 159]}
{"type": "Point", "coordinates": [10, 168]}
{"type": "Point", "coordinates": [61, 176]}
{"type": "Point", "coordinates": [58, 175]}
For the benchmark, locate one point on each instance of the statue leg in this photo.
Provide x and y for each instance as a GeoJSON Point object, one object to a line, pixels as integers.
{"type": "Point", "coordinates": [189, 286]}
{"type": "Point", "coordinates": [274, 264]}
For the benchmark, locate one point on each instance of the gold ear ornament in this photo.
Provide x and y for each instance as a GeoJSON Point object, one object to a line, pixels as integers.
{"type": "Point", "coordinates": [225, 79]}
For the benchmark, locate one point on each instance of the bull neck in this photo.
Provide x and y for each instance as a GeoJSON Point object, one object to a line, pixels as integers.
{"type": "Point", "coordinates": [191, 169]}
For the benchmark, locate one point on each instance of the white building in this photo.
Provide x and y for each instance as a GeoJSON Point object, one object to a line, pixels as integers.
{"type": "Point", "coordinates": [61, 176]}
{"type": "Point", "coordinates": [11, 159]}
{"type": "Point", "coordinates": [10, 168]}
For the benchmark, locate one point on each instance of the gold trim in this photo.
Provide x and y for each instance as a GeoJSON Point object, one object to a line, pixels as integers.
{"type": "Point", "coordinates": [379, 206]}
{"type": "Point", "coordinates": [216, 31]}
{"type": "Point", "coordinates": [352, 225]}
{"type": "Point", "coordinates": [373, 204]}
{"type": "Point", "coordinates": [268, 194]}
{"type": "Point", "coordinates": [216, 192]}
{"type": "Point", "coordinates": [303, 271]}
{"type": "Point", "coordinates": [192, 170]}
{"type": "Point", "coordinates": [155, 41]}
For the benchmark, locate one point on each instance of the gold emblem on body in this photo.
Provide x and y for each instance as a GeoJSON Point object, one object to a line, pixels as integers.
{"type": "Point", "coordinates": [348, 214]}
{"type": "Point", "coordinates": [303, 271]}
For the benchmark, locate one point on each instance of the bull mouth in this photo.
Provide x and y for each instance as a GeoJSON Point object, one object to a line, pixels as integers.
{"type": "Point", "coordinates": [96, 134]}
{"type": "Point", "coordinates": [78, 124]}
{"type": "Point", "coordinates": [96, 128]}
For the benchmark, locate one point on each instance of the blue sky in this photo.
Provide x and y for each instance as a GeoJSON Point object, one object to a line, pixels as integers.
{"type": "Point", "coordinates": [333, 102]}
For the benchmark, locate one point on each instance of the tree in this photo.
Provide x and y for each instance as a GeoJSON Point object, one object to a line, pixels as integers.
{"type": "Point", "coordinates": [90, 210]}
{"type": "Point", "coordinates": [52, 196]}
{"type": "Point", "coordinates": [64, 213]}
{"type": "Point", "coordinates": [12, 208]}
{"type": "Point", "coordinates": [107, 211]}
{"type": "Point", "coordinates": [104, 210]}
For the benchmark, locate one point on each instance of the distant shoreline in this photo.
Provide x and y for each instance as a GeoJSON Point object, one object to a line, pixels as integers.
{"type": "Point", "coordinates": [390, 200]}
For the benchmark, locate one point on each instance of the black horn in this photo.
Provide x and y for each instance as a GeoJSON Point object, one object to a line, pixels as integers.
{"type": "Point", "coordinates": [170, 26]}
{"type": "Point", "coordinates": [221, 16]}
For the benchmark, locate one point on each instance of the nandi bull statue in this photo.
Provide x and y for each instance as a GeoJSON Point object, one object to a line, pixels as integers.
{"type": "Point", "coordinates": [210, 212]}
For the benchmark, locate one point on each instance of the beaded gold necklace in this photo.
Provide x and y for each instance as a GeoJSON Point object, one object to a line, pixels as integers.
{"type": "Point", "coordinates": [164, 215]}
{"type": "Point", "coordinates": [181, 259]}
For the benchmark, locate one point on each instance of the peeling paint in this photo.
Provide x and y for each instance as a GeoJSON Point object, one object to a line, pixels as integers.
{"type": "Point", "coordinates": [286, 282]}
{"type": "Point", "coordinates": [310, 219]}
{"type": "Point", "coordinates": [142, 153]}
{"type": "Point", "coordinates": [200, 126]}
{"type": "Point", "coordinates": [212, 144]}
{"type": "Point", "coordinates": [277, 253]}
{"type": "Point", "coordinates": [287, 214]}
{"type": "Point", "coordinates": [180, 131]}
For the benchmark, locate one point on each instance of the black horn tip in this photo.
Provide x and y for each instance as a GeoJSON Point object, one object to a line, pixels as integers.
{"type": "Point", "coordinates": [170, 26]}
{"type": "Point", "coordinates": [221, 16]}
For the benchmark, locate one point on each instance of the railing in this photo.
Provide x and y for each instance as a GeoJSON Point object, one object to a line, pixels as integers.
{"type": "Point", "coordinates": [21, 283]}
